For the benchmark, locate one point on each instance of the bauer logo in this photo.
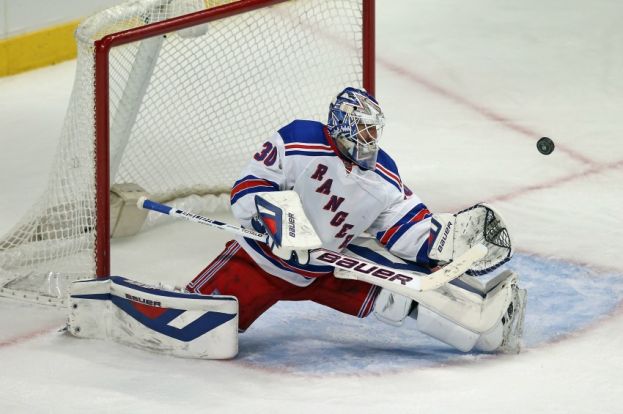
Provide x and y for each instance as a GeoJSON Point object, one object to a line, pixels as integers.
{"type": "Point", "coordinates": [291, 225]}
{"type": "Point", "coordinates": [142, 300]}
{"type": "Point", "coordinates": [442, 242]}
{"type": "Point", "coordinates": [363, 267]}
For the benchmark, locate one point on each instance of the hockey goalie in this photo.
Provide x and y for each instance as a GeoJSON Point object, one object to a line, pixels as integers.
{"type": "Point", "coordinates": [315, 187]}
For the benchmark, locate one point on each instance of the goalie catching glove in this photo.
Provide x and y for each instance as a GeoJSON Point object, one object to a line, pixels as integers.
{"type": "Point", "coordinates": [281, 216]}
{"type": "Point", "coordinates": [453, 234]}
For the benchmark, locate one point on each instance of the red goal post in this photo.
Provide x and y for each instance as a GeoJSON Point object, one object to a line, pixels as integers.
{"type": "Point", "coordinates": [173, 95]}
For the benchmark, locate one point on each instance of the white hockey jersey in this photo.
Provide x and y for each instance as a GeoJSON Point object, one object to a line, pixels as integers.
{"type": "Point", "coordinates": [341, 204]}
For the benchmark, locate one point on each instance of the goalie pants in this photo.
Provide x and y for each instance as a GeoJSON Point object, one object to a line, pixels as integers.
{"type": "Point", "coordinates": [234, 273]}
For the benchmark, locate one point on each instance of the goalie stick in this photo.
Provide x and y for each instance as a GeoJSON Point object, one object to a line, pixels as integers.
{"type": "Point", "coordinates": [403, 282]}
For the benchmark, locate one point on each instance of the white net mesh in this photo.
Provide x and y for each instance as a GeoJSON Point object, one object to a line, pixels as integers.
{"type": "Point", "coordinates": [186, 111]}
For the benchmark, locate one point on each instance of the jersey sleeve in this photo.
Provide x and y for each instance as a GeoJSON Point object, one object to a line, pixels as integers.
{"type": "Point", "coordinates": [264, 172]}
{"type": "Point", "coordinates": [404, 228]}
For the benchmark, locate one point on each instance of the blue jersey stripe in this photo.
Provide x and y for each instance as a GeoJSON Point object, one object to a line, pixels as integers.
{"type": "Point", "coordinates": [385, 161]}
{"type": "Point", "coordinates": [404, 219]}
{"type": "Point", "coordinates": [261, 185]}
{"type": "Point", "coordinates": [303, 131]}
{"type": "Point", "coordinates": [310, 153]}
{"type": "Point", "coordinates": [422, 255]}
{"type": "Point", "coordinates": [402, 230]}
{"type": "Point", "coordinates": [253, 177]}
{"type": "Point", "coordinates": [251, 190]}
{"type": "Point", "coordinates": [412, 213]}
{"type": "Point", "coordinates": [388, 179]}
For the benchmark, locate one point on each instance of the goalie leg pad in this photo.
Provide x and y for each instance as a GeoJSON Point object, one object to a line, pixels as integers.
{"type": "Point", "coordinates": [392, 308]}
{"type": "Point", "coordinates": [445, 330]}
{"type": "Point", "coordinates": [470, 309]}
{"type": "Point", "coordinates": [492, 340]}
{"type": "Point", "coordinates": [179, 324]}
{"type": "Point", "coordinates": [506, 336]}
{"type": "Point", "coordinates": [445, 324]}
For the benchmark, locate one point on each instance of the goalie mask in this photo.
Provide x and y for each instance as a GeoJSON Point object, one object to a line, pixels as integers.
{"type": "Point", "coordinates": [356, 123]}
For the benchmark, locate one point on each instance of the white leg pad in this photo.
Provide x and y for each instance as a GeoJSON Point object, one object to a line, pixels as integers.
{"type": "Point", "coordinates": [445, 330]}
{"type": "Point", "coordinates": [175, 323]}
{"type": "Point", "coordinates": [391, 307]}
{"type": "Point", "coordinates": [503, 336]}
{"type": "Point", "coordinates": [490, 341]}
{"type": "Point", "coordinates": [470, 309]}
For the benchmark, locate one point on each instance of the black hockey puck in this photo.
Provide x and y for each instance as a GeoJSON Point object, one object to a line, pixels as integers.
{"type": "Point", "coordinates": [545, 146]}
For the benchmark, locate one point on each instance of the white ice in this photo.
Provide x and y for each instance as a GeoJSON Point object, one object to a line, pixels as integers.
{"type": "Point", "coordinates": [468, 88]}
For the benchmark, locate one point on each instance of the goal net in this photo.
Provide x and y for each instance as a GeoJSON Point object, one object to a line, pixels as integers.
{"type": "Point", "coordinates": [174, 96]}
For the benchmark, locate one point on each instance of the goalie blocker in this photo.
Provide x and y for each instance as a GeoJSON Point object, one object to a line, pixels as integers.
{"type": "Point", "coordinates": [180, 324]}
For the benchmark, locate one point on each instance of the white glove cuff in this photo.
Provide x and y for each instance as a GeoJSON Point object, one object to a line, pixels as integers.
{"type": "Point", "coordinates": [442, 233]}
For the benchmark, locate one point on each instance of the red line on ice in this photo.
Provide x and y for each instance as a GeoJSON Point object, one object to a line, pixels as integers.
{"type": "Point", "coordinates": [26, 337]}
{"type": "Point", "coordinates": [475, 107]}
{"type": "Point", "coordinates": [555, 182]}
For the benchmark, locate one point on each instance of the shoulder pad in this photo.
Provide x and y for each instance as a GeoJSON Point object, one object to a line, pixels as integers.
{"type": "Point", "coordinates": [306, 138]}
{"type": "Point", "coordinates": [303, 131]}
